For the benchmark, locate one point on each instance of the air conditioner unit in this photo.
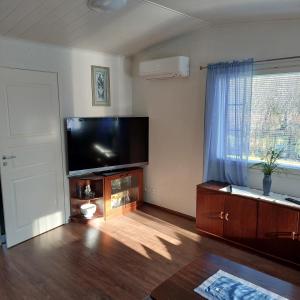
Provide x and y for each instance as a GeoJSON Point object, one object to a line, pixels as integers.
{"type": "Point", "coordinates": [178, 66]}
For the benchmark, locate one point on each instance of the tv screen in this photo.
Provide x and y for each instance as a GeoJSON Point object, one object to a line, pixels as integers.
{"type": "Point", "coordinates": [100, 144]}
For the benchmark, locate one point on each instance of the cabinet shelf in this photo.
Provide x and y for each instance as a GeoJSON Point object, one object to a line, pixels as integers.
{"type": "Point", "coordinates": [81, 219]}
{"type": "Point", "coordinates": [104, 186]}
{"type": "Point", "coordinates": [85, 200]}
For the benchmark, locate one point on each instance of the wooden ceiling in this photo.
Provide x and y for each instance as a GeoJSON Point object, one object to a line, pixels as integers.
{"type": "Point", "coordinates": [141, 24]}
{"type": "Point", "coordinates": [71, 23]}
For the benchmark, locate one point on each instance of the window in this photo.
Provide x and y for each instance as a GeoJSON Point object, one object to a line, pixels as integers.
{"type": "Point", "coordinates": [275, 116]}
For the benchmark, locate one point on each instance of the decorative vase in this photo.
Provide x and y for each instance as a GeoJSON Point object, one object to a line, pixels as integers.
{"type": "Point", "coordinates": [267, 182]}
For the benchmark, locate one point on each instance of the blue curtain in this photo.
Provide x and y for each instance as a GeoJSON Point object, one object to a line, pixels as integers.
{"type": "Point", "coordinates": [227, 121]}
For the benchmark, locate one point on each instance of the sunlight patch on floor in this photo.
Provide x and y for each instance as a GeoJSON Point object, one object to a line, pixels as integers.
{"type": "Point", "coordinates": [127, 241]}
{"type": "Point", "coordinates": [91, 238]}
{"type": "Point", "coordinates": [152, 221]}
{"type": "Point", "coordinates": [145, 235]}
{"type": "Point", "coordinates": [122, 229]}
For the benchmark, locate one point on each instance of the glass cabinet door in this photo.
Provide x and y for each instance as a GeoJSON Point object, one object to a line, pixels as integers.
{"type": "Point", "coordinates": [124, 190]}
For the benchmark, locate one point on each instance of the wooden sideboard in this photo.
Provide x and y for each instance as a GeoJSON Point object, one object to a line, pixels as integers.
{"type": "Point", "coordinates": [266, 227]}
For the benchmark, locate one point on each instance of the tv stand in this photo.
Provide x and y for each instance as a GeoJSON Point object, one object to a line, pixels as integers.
{"type": "Point", "coordinates": [114, 172]}
{"type": "Point", "coordinates": [114, 193]}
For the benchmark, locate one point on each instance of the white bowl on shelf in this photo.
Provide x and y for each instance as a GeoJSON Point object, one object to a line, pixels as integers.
{"type": "Point", "coordinates": [88, 210]}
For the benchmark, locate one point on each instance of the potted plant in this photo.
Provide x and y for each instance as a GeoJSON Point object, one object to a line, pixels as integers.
{"type": "Point", "coordinates": [269, 166]}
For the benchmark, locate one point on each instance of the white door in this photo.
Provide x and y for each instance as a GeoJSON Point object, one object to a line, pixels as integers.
{"type": "Point", "coordinates": [31, 156]}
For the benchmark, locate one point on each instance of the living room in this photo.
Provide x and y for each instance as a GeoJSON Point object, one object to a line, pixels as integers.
{"type": "Point", "coordinates": [199, 55]}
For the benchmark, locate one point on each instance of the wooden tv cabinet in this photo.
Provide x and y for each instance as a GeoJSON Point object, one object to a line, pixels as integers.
{"type": "Point", "coordinates": [114, 193]}
{"type": "Point", "coordinates": [266, 227]}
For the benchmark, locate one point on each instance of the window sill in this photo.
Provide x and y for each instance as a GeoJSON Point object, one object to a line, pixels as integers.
{"type": "Point", "coordinates": [286, 169]}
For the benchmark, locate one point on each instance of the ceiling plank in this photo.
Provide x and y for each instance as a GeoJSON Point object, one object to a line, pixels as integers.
{"type": "Point", "coordinates": [6, 7]}
{"type": "Point", "coordinates": [22, 9]}
{"type": "Point", "coordinates": [33, 18]}
{"type": "Point", "coordinates": [42, 28]}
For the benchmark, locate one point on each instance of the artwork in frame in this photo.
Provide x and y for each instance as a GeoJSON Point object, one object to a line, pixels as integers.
{"type": "Point", "coordinates": [101, 86]}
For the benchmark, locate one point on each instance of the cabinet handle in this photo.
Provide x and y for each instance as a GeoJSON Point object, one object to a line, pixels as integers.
{"type": "Point", "coordinates": [221, 215]}
{"type": "Point", "coordinates": [227, 216]}
{"type": "Point", "coordinates": [293, 235]}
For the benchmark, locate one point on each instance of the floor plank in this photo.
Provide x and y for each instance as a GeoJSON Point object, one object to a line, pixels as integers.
{"type": "Point", "coordinates": [123, 258]}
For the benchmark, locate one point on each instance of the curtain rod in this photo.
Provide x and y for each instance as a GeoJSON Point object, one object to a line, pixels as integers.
{"type": "Point", "coordinates": [265, 60]}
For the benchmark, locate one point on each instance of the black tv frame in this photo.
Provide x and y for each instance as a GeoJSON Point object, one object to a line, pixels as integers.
{"type": "Point", "coordinates": [101, 169]}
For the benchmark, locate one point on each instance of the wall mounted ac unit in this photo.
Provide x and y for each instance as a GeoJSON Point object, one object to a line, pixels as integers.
{"type": "Point", "coordinates": [178, 66]}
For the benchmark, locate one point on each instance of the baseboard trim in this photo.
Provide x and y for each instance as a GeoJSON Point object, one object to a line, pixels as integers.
{"type": "Point", "coordinates": [173, 212]}
{"type": "Point", "coordinates": [2, 239]}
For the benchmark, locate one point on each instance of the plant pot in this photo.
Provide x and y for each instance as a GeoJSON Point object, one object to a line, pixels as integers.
{"type": "Point", "coordinates": [267, 182]}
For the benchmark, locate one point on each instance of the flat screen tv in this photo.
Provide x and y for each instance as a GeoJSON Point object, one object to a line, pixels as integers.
{"type": "Point", "coordinates": [107, 143]}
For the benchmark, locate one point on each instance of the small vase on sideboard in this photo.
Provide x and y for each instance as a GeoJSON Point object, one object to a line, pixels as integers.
{"type": "Point", "coordinates": [269, 165]}
{"type": "Point", "coordinates": [267, 182]}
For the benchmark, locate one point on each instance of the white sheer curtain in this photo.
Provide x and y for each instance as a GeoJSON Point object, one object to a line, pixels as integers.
{"type": "Point", "coordinates": [227, 121]}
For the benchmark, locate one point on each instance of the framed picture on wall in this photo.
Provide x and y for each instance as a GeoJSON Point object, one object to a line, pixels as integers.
{"type": "Point", "coordinates": [100, 86]}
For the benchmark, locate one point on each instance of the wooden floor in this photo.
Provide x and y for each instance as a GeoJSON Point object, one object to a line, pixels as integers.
{"type": "Point", "coordinates": [124, 258]}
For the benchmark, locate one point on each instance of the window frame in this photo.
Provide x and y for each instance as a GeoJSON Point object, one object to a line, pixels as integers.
{"type": "Point", "coordinates": [281, 67]}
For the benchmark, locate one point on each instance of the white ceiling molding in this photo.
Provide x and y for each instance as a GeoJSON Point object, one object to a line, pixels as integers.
{"type": "Point", "coordinates": [171, 9]}
{"type": "Point", "coordinates": [233, 11]}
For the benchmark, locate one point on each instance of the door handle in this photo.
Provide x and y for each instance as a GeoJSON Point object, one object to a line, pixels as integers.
{"type": "Point", "coordinates": [227, 216]}
{"type": "Point", "coordinates": [5, 157]}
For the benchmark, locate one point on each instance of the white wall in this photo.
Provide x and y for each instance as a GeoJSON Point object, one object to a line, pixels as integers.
{"type": "Point", "coordinates": [74, 78]}
{"type": "Point", "coordinates": [176, 106]}
{"type": "Point", "coordinates": [74, 72]}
